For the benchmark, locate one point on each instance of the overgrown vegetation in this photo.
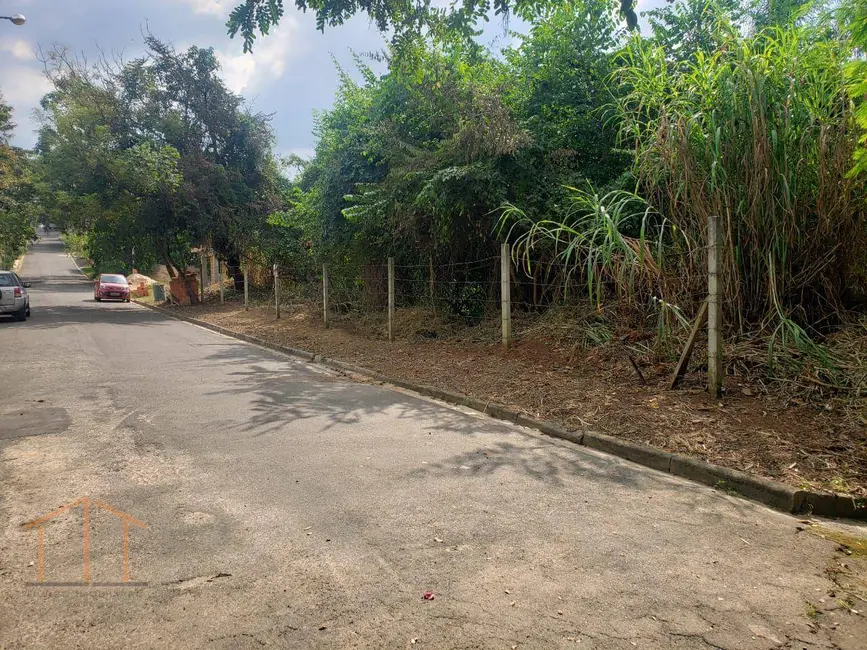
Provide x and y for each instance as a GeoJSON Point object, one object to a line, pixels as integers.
{"type": "Point", "coordinates": [705, 116]}
{"type": "Point", "coordinates": [598, 152]}
{"type": "Point", "coordinates": [761, 133]}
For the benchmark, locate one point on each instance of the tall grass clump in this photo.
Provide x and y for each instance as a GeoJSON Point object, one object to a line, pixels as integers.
{"type": "Point", "coordinates": [762, 133]}
{"type": "Point", "coordinates": [609, 243]}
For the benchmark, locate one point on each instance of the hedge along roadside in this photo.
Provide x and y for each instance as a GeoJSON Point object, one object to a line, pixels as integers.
{"type": "Point", "coordinates": [771, 493]}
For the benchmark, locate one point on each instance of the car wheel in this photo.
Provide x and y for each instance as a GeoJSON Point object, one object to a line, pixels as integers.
{"type": "Point", "coordinates": [127, 300]}
{"type": "Point", "coordinates": [21, 315]}
{"type": "Point", "coordinates": [97, 298]}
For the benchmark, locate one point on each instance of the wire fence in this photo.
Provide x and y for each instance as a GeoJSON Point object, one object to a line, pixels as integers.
{"type": "Point", "coordinates": [467, 291]}
{"type": "Point", "coordinates": [426, 299]}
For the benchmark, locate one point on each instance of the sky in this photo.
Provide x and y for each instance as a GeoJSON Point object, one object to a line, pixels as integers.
{"type": "Point", "coordinates": [290, 73]}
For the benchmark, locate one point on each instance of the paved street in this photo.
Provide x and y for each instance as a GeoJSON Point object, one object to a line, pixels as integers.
{"type": "Point", "coordinates": [289, 506]}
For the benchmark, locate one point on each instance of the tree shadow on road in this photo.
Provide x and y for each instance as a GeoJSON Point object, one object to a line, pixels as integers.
{"type": "Point", "coordinates": [298, 391]}
{"type": "Point", "coordinates": [301, 391]}
{"type": "Point", "coordinates": [43, 286]}
{"type": "Point", "coordinates": [91, 313]}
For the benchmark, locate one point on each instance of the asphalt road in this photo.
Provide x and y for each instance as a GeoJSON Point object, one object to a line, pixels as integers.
{"type": "Point", "coordinates": [289, 506]}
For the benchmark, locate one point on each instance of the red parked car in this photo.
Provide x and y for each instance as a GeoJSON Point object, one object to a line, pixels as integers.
{"type": "Point", "coordinates": [110, 287]}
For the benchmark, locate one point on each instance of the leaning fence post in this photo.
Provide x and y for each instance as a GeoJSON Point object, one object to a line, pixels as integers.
{"type": "Point", "coordinates": [505, 293]}
{"type": "Point", "coordinates": [683, 363]}
{"type": "Point", "coordinates": [390, 298]}
{"type": "Point", "coordinates": [714, 313]}
{"type": "Point", "coordinates": [325, 295]}
{"type": "Point", "coordinates": [277, 290]}
{"type": "Point", "coordinates": [246, 286]}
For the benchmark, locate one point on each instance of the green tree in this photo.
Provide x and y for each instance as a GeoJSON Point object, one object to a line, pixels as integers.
{"type": "Point", "coordinates": [17, 214]}
{"type": "Point", "coordinates": [415, 163]}
{"type": "Point", "coordinates": [158, 153]}
{"type": "Point", "coordinates": [779, 13]}
{"type": "Point", "coordinates": [685, 27]}
{"type": "Point", "coordinates": [558, 89]}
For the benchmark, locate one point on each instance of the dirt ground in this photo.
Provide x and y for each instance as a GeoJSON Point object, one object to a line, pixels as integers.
{"type": "Point", "coordinates": [751, 429]}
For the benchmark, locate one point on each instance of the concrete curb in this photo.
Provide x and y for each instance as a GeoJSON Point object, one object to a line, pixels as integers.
{"type": "Point", "coordinates": [771, 493]}
{"type": "Point", "coordinates": [18, 263]}
{"type": "Point", "coordinates": [77, 265]}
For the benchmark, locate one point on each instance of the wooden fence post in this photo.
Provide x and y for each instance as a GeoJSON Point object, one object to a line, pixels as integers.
{"type": "Point", "coordinates": [246, 286]}
{"type": "Point", "coordinates": [390, 298]}
{"type": "Point", "coordinates": [277, 290]}
{"type": "Point", "coordinates": [506, 294]}
{"type": "Point", "coordinates": [325, 295]}
{"type": "Point", "coordinates": [683, 363]}
{"type": "Point", "coordinates": [714, 312]}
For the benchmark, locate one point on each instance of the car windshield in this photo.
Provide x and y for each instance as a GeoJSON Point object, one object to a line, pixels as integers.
{"type": "Point", "coordinates": [7, 280]}
{"type": "Point", "coordinates": [113, 279]}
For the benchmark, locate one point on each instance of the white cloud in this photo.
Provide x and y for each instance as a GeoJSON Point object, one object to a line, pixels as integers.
{"type": "Point", "coordinates": [236, 71]}
{"type": "Point", "coordinates": [22, 85]}
{"type": "Point", "coordinates": [213, 7]}
{"type": "Point", "coordinates": [19, 49]}
{"type": "Point", "coordinates": [245, 73]}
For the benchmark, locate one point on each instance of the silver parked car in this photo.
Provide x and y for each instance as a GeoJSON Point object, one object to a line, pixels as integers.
{"type": "Point", "coordinates": [14, 300]}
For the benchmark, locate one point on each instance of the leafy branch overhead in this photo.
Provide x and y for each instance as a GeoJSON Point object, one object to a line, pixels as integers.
{"type": "Point", "coordinates": [403, 17]}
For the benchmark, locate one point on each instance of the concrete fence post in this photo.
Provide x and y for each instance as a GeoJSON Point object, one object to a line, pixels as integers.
{"type": "Point", "coordinates": [390, 298]}
{"type": "Point", "coordinates": [714, 311]}
{"type": "Point", "coordinates": [246, 268]}
{"type": "Point", "coordinates": [277, 290]}
{"type": "Point", "coordinates": [432, 282]}
{"type": "Point", "coordinates": [202, 277]}
{"type": "Point", "coordinates": [506, 293]}
{"type": "Point", "coordinates": [220, 279]}
{"type": "Point", "coordinates": [325, 295]}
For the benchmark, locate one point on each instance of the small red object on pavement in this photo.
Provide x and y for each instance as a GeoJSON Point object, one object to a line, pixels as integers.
{"type": "Point", "coordinates": [428, 595]}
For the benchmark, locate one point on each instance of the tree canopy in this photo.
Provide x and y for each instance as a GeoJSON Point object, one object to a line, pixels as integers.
{"type": "Point", "coordinates": [153, 156]}
{"type": "Point", "coordinates": [16, 188]}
